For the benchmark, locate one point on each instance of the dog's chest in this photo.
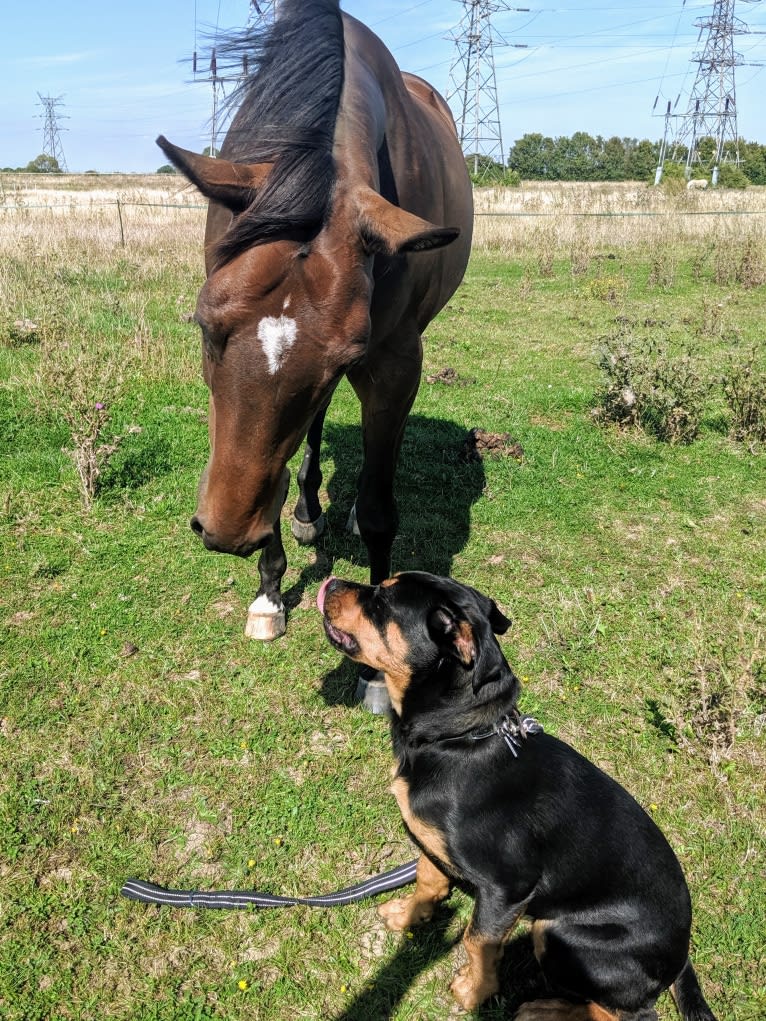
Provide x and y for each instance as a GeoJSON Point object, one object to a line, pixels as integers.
{"type": "Point", "coordinates": [430, 838]}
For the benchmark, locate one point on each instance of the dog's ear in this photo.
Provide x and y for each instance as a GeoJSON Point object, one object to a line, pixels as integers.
{"type": "Point", "coordinates": [453, 635]}
{"type": "Point", "coordinates": [472, 644]}
{"type": "Point", "coordinates": [498, 620]}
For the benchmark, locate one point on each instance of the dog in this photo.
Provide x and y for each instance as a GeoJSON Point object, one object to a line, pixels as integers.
{"type": "Point", "coordinates": [520, 820]}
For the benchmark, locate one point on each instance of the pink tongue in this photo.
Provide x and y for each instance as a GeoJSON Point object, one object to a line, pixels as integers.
{"type": "Point", "coordinates": [321, 592]}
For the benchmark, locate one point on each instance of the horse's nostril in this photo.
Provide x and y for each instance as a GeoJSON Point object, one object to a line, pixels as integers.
{"type": "Point", "coordinates": [196, 526]}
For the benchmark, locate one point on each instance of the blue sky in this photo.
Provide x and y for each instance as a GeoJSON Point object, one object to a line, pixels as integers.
{"type": "Point", "coordinates": [586, 65]}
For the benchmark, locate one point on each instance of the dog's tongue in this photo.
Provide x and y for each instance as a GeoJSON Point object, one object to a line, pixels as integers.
{"type": "Point", "coordinates": [321, 592]}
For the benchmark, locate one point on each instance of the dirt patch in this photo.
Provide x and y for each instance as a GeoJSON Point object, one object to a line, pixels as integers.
{"type": "Point", "coordinates": [449, 377]}
{"type": "Point", "coordinates": [480, 444]}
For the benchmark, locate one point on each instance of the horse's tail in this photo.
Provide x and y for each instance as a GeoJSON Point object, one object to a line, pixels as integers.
{"type": "Point", "coordinates": [686, 991]}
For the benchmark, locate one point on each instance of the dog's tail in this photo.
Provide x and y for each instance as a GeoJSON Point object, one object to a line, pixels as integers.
{"type": "Point", "coordinates": [686, 991]}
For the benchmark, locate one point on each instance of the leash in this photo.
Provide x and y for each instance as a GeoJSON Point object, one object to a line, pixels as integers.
{"type": "Point", "coordinates": [150, 893]}
{"type": "Point", "coordinates": [512, 728]}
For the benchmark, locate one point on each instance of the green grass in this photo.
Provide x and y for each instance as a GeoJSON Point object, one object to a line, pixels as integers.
{"type": "Point", "coordinates": [634, 571]}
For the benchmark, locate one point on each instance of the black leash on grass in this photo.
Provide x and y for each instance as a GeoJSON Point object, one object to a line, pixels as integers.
{"type": "Point", "coordinates": [150, 893]}
{"type": "Point", "coordinates": [513, 728]}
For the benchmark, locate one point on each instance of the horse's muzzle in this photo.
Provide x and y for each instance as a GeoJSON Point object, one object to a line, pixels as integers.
{"type": "Point", "coordinates": [218, 544]}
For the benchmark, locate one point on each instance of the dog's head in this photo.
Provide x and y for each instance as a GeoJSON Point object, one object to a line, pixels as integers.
{"type": "Point", "coordinates": [422, 632]}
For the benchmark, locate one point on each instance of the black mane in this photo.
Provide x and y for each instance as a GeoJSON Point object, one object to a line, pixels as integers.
{"type": "Point", "coordinates": [287, 109]}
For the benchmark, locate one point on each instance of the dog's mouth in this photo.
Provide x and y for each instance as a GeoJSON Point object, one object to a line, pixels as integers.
{"type": "Point", "coordinates": [342, 640]}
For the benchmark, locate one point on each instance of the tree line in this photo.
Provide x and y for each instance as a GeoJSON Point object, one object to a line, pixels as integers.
{"type": "Point", "coordinates": [583, 157]}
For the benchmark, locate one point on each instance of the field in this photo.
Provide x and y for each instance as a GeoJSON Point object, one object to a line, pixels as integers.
{"type": "Point", "coordinates": [141, 734]}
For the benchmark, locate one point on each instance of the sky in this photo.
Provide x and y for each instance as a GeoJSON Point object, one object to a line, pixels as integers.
{"type": "Point", "coordinates": [124, 75]}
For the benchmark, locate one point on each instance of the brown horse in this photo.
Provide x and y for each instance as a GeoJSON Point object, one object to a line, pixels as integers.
{"type": "Point", "coordinates": [327, 255]}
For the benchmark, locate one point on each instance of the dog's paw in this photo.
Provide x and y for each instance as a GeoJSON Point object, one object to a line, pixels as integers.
{"type": "Point", "coordinates": [469, 993]}
{"type": "Point", "coordinates": [404, 912]}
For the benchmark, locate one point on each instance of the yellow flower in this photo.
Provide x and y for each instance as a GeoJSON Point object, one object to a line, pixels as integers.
{"type": "Point", "coordinates": [344, 988]}
{"type": "Point", "coordinates": [251, 863]}
{"type": "Point", "coordinates": [653, 807]}
{"type": "Point", "coordinates": [278, 841]}
{"type": "Point", "coordinates": [243, 984]}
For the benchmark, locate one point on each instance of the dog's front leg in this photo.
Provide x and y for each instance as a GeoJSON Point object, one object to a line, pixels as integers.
{"type": "Point", "coordinates": [484, 940]}
{"type": "Point", "coordinates": [431, 886]}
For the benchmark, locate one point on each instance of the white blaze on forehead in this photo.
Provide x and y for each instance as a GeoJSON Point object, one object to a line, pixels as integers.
{"type": "Point", "coordinates": [277, 336]}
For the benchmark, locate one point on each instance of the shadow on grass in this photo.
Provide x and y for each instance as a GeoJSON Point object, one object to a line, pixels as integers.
{"type": "Point", "coordinates": [385, 990]}
{"type": "Point", "coordinates": [435, 491]}
{"type": "Point", "coordinates": [520, 976]}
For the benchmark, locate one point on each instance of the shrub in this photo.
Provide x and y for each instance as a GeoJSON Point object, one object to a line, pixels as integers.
{"type": "Point", "coordinates": [732, 176]}
{"type": "Point", "coordinates": [646, 387]}
{"type": "Point", "coordinates": [744, 386]}
{"type": "Point", "coordinates": [80, 383]}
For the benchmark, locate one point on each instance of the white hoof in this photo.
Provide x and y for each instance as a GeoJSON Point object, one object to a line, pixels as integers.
{"type": "Point", "coordinates": [307, 532]}
{"type": "Point", "coordinates": [351, 524]}
{"type": "Point", "coordinates": [265, 620]}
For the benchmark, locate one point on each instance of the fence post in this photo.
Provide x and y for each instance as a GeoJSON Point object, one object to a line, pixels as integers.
{"type": "Point", "coordinates": [122, 230]}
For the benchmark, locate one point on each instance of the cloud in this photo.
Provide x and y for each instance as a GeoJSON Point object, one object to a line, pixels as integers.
{"type": "Point", "coordinates": [56, 60]}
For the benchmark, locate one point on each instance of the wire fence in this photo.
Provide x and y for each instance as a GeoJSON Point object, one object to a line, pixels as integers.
{"type": "Point", "coordinates": [82, 208]}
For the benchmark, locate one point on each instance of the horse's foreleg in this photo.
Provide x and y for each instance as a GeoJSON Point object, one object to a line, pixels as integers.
{"type": "Point", "coordinates": [266, 614]}
{"type": "Point", "coordinates": [308, 521]}
{"type": "Point", "coordinates": [387, 391]}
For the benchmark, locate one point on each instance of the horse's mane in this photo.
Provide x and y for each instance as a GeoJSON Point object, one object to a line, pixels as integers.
{"type": "Point", "coordinates": [287, 109]}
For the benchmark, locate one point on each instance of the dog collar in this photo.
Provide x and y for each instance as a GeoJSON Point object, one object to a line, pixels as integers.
{"type": "Point", "coordinates": [514, 729]}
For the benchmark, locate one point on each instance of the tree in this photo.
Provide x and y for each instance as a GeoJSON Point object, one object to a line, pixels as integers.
{"type": "Point", "coordinates": [166, 168]}
{"type": "Point", "coordinates": [642, 160]}
{"type": "Point", "coordinates": [43, 164]}
{"type": "Point", "coordinates": [532, 156]}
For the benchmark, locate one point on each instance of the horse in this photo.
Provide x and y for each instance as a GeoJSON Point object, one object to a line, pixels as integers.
{"type": "Point", "coordinates": [339, 224]}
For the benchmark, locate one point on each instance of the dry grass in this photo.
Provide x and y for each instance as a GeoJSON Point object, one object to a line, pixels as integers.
{"type": "Point", "coordinates": [151, 215]}
{"type": "Point", "coordinates": [584, 217]}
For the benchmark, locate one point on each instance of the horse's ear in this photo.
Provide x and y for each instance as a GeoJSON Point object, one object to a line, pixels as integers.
{"type": "Point", "coordinates": [387, 230]}
{"type": "Point", "coordinates": [232, 184]}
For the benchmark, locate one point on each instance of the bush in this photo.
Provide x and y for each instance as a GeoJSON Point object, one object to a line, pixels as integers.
{"type": "Point", "coordinates": [744, 386]}
{"type": "Point", "coordinates": [732, 176]}
{"type": "Point", "coordinates": [646, 387]}
{"type": "Point", "coordinates": [80, 383]}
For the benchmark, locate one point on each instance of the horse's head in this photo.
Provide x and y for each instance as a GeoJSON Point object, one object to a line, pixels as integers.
{"type": "Point", "coordinates": [282, 320]}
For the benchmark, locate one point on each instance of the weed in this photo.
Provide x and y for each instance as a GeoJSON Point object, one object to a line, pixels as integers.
{"type": "Point", "coordinates": [663, 267]}
{"type": "Point", "coordinates": [79, 383]}
{"type": "Point", "coordinates": [646, 386]}
{"type": "Point", "coordinates": [744, 386]}
{"type": "Point", "coordinates": [611, 289]}
{"type": "Point", "coordinates": [752, 266]}
{"type": "Point", "coordinates": [618, 400]}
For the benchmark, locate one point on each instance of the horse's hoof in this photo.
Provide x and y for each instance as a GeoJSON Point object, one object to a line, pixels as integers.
{"type": "Point", "coordinates": [265, 620]}
{"type": "Point", "coordinates": [372, 693]}
{"type": "Point", "coordinates": [351, 524]}
{"type": "Point", "coordinates": [307, 532]}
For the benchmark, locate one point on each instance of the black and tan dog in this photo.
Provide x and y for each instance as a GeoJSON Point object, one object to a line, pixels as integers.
{"type": "Point", "coordinates": [514, 816]}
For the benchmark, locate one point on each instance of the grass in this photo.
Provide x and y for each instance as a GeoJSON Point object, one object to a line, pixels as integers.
{"type": "Point", "coordinates": [142, 735]}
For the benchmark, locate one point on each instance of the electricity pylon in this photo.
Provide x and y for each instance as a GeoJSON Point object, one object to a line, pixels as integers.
{"type": "Point", "coordinates": [51, 141]}
{"type": "Point", "coordinates": [711, 112]}
{"type": "Point", "coordinates": [262, 13]}
{"type": "Point", "coordinates": [472, 89]}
